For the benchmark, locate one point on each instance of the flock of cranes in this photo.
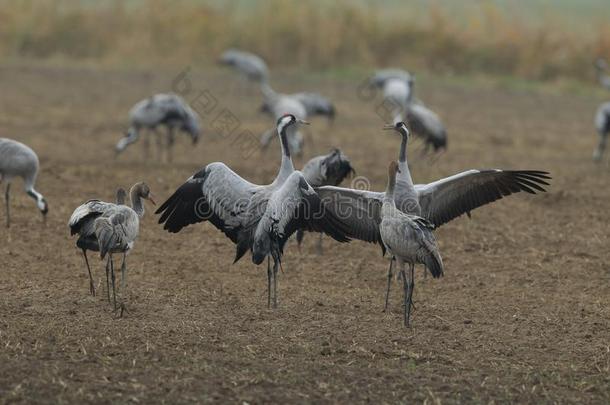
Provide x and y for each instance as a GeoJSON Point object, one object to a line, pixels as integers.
{"type": "Point", "coordinates": [260, 219]}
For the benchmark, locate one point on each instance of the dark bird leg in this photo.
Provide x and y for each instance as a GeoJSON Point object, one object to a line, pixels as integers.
{"type": "Point", "coordinates": [275, 269]}
{"type": "Point", "coordinates": [159, 143]}
{"type": "Point", "coordinates": [387, 290]}
{"type": "Point", "coordinates": [8, 210]}
{"type": "Point", "coordinates": [411, 287]}
{"type": "Point", "coordinates": [170, 143]}
{"type": "Point", "coordinates": [268, 282]}
{"type": "Point", "coordinates": [123, 283]}
{"type": "Point", "coordinates": [405, 290]}
{"type": "Point", "coordinates": [107, 277]}
{"type": "Point", "coordinates": [113, 281]}
{"type": "Point", "coordinates": [123, 271]}
{"type": "Point", "coordinates": [91, 286]}
{"type": "Point", "coordinates": [146, 143]}
{"type": "Point", "coordinates": [599, 151]}
{"type": "Point", "coordinates": [300, 234]}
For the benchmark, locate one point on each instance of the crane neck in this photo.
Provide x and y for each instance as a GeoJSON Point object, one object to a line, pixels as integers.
{"type": "Point", "coordinates": [286, 167]}
{"type": "Point", "coordinates": [136, 201]}
{"type": "Point", "coordinates": [389, 191]}
{"type": "Point", "coordinates": [403, 165]}
{"type": "Point", "coordinates": [267, 91]}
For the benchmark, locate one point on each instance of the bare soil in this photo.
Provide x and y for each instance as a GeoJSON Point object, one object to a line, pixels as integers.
{"type": "Point", "coordinates": [522, 314]}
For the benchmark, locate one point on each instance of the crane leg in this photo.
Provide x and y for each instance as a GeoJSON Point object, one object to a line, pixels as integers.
{"type": "Point", "coordinates": [108, 278]}
{"type": "Point", "coordinates": [405, 290]}
{"type": "Point", "coordinates": [387, 290]}
{"type": "Point", "coordinates": [91, 286]}
{"type": "Point", "coordinates": [146, 146]}
{"type": "Point", "coordinates": [599, 151]}
{"type": "Point", "coordinates": [123, 272]}
{"type": "Point", "coordinates": [170, 143]}
{"type": "Point", "coordinates": [275, 269]}
{"type": "Point", "coordinates": [8, 209]}
{"type": "Point", "coordinates": [409, 285]}
{"type": "Point", "coordinates": [159, 143]}
{"type": "Point", "coordinates": [268, 282]}
{"type": "Point", "coordinates": [112, 278]}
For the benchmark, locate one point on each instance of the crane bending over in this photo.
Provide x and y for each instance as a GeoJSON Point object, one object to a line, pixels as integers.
{"type": "Point", "coordinates": [251, 66]}
{"type": "Point", "coordinates": [325, 170]}
{"type": "Point", "coordinates": [409, 240]}
{"type": "Point", "coordinates": [19, 160]}
{"type": "Point", "coordinates": [256, 218]}
{"type": "Point", "coordinates": [167, 110]}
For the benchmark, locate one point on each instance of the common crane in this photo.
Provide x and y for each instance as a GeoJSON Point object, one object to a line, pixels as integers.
{"type": "Point", "coordinates": [253, 67]}
{"type": "Point", "coordinates": [314, 103]}
{"type": "Point", "coordinates": [397, 87]}
{"type": "Point", "coordinates": [279, 105]}
{"type": "Point", "coordinates": [256, 218]}
{"type": "Point", "coordinates": [167, 110]}
{"type": "Point", "coordinates": [408, 239]}
{"type": "Point", "coordinates": [325, 170]}
{"type": "Point", "coordinates": [110, 228]}
{"type": "Point", "coordinates": [19, 160]}
{"type": "Point", "coordinates": [438, 202]}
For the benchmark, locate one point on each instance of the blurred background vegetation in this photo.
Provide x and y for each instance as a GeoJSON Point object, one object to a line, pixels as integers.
{"type": "Point", "coordinates": [534, 39]}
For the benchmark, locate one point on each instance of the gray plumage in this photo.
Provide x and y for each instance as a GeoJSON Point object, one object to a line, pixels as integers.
{"type": "Point", "coordinates": [314, 103]}
{"type": "Point", "coordinates": [109, 228]}
{"type": "Point", "coordinates": [601, 67]}
{"type": "Point", "coordinates": [167, 110]}
{"type": "Point", "coordinates": [409, 240]}
{"type": "Point", "coordinates": [380, 77]}
{"type": "Point", "coordinates": [425, 123]}
{"type": "Point", "coordinates": [325, 170]}
{"type": "Point", "coordinates": [19, 160]}
{"type": "Point", "coordinates": [280, 105]}
{"type": "Point", "coordinates": [602, 125]}
{"type": "Point", "coordinates": [256, 218]}
{"type": "Point", "coordinates": [438, 202]}
{"type": "Point", "coordinates": [397, 88]}
{"type": "Point", "coordinates": [248, 64]}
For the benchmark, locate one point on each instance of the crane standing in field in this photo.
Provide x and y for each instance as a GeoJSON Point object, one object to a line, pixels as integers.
{"type": "Point", "coordinates": [19, 160]}
{"type": "Point", "coordinates": [110, 228]}
{"type": "Point", "coordinates": [82, 223]}
{"type": "Point", "coordinates": [314, 103]}
{"type": "Point", "coordinates": [251, 66]}
{"type": "Point", "coordinates": [256, 218]}
{"type": "Point", "coordinates": [161, 109]}
{"type": "Point", "coordinates": [280, 105]}
{"type": "Point", "coordinates": [438, 202]}
{"type": "Point", "coordinates": [325, 170]}
{"type": "Point", "coordinates": [397, 87]}
{"type": "Point", "coordinates": [409, 240]}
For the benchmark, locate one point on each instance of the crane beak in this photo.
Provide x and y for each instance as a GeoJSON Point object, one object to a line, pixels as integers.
{"type": "Point", "coordinates": [303, 122]}
{"type": "Point", "coordinates": [150, 198]}
{"type": "Point", "coordinates": [388, 126]}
